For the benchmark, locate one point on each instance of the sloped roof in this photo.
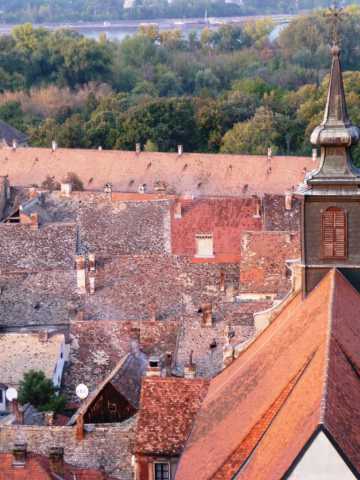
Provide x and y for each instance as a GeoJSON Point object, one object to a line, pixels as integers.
{"type": "Point", "coordinates": [9, 133]}
{"type": "Point", "coordinates": [37, 467]}
{"type": "Point", "coordinates": [302, 372]}
{"type": "Point", "coordinates": [196, 173]}
{"type": "Point", "coordinates": [167, 410]}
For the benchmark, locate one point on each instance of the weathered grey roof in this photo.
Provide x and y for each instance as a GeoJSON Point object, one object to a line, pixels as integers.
{"type": "Point", "coordinates": [9, 133]}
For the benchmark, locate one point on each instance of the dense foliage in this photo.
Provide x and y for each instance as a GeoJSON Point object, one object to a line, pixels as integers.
{"type": "Point", "coordinates": [231, 90]}
{"type": "Point", "coordinates": [40, 392]}
{"type": "Point", "coordinates": [75, 10]}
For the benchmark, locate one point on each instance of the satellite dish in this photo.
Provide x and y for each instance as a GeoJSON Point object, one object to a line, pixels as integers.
{"type": "Point", "coordinates": [82, 391]}
{"type": "Point", "coordinates": [11, 394]}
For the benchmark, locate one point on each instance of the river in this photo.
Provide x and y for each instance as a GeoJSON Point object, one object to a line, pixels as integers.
{"type": "Point", "coordinates": [120, 29]}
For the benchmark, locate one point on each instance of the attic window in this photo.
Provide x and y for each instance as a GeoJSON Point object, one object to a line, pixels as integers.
{"type": "Point", "coordinates": [334, 233]}
{"type": "Point", "coordinates": [204, 245]}
{"type": "Point", "coordinates": [162, 471]}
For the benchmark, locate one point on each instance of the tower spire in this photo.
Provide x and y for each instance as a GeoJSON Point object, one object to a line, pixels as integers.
{"type": "Point", "coordinates": [336, 134]}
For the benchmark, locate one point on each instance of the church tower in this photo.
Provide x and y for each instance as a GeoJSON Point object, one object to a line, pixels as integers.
{"type": "Point", "coordinates": [331, 195]}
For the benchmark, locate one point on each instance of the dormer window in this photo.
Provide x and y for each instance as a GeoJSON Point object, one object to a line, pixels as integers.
{"type": "Point", "coordinates": [334, 233]}
{"type": "Point", "coordinates": [204, 245]}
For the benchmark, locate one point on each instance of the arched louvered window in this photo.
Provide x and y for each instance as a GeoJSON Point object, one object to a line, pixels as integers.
{"type": "Point", "coordinates": [334, 233]}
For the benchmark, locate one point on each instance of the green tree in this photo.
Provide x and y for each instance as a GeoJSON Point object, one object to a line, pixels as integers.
{"type": "Point", "coordinates": [40, 392]}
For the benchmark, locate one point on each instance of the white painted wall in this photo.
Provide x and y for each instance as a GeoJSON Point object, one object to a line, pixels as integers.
{"type": "Point", "coordinates": [59, 368]}
{"type": "Point", "coordinates": [321, 461]}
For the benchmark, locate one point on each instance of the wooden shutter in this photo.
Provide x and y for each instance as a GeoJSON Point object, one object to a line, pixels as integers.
{"type": "Point", "coordinates": [334, 233]}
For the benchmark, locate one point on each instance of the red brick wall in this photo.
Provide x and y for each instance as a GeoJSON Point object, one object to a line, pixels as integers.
{"type": "Point", "coordinates": [224, 218]}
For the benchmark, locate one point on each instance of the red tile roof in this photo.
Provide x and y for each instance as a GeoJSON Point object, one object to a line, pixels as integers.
{"type": "Point", "coordinates": [301, 373]}
{"type": "Point", "coordinates": [37, 467]}
{"type": "Point", "coordinates": [167, 410]}
{"type": "Point", "coordinates": [196, 173]}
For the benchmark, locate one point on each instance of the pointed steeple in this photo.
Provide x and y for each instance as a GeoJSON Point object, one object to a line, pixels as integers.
{"type": "Point", "coordinates": [336, 134]}
{"type": "Point", "coordinates": [336, 109]}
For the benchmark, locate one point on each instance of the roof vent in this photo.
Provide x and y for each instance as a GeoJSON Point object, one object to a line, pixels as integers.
{"type": "Point", "coordinates": [153, 367]}
{"type": "Point", "coordinates": [54, 146]}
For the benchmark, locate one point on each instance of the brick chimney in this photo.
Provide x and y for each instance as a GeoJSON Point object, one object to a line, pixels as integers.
{"type": "Point", "coordinates": [34, 221]}
{"type": "Point", "coordinates": [92, 282]}
{"type": "Point", "coordinates": [19, 454]}
{"type": "Point", "coordinates": [222, 281]}
{"type": "Point", "coordinates": [178, 209]}
{"type": "Point", "coordinates": [66, 189]}
{"type": "Point", "coordinates": [80, 273]}
{"type": "Point", "coordinates": [92, 262]}
{"type": "Point", "coordinates": [288, 200]}
{"type": "Point", "coordinates": [56, 459]}
{"type": "Point", "coordinates": [207, 315]}
{"type": "Point", "coordinates": [18, 412]}
{"type": "Point", "coordinates": [257, 201]}
{"type": "Point", "coordinates": [79, 429]}
{"type": "Point", "coordinates": [190, 367]}
{"type": "Point", "coordinates": [153, 369]}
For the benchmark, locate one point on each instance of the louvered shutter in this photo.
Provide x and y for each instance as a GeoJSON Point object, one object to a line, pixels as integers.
{"type": "Point", "coordinates": [334, 233]}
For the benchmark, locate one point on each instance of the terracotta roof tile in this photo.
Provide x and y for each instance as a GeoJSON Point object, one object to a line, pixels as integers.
{"type": "Point", "coordinates": [205, 174]}
{"type": "Point", "coordinates": [167, 410]}
{"type": "Point", "coordinates": [300, 373]}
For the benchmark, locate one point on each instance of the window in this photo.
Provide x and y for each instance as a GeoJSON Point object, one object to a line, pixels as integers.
{"type": "Point", "coordinates": [162, 471]}
{"type": "Point", "coordinates": [334, 233]}
{"type": "Point", "coordinates": [204, 245]}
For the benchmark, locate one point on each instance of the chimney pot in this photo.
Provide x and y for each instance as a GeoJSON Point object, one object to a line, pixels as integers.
{"type": "Point", "coordinates": [180, 150]}
{"type": "Point", "coordinates": [19, 454]}
{"type": "Point", "coordinates": [269, 153]}
{"type": "Point", "coordinates": [257, 206]}
{"type": "Point", "coordinates": [14, 145]}
{"type": "Point", "coordinates": [138, 148]}
{"type": "Point", "coordinates": [92, 282]}
{"type": "Point", "coordinates": [92, 262]}
{"type": "Point", "coordinates": [54, 146]}
{"type": "Point", "coordinates": [207, 315]}
{"type": "Point", "coordinates": [56, 458]}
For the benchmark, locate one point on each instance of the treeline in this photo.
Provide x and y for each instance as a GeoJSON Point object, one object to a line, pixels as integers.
{"type": "Point", "coordinates": [232, 90]}
{"type": "Point", "coordinates": [86, 10]}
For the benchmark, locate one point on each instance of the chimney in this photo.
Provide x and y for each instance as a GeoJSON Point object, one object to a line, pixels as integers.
{"type": "Point", "coordinates": [178, 209]}
{"type": "Point", "coordinates": [43, 336]}
{"type": "Point", "coordinates": [108, 188]}
{"type": "Point", "coordinates": [207, 315]}
{"type": "Point", "coordinates": [222, 281]}
{"type": "Point", "coordinates": [92, 282]}
{"type": "Point", "coordinates": [34, 221]}
{"type": "Point", "coordinates": [14, 145]}
{"type": "Point", "coordinates": [288, 200]}
{"type": "Point", "coordinates": [190, 368]}
{"type": "Point", "coordinates": [18, 412]}
{"type": "Point", "coordinates": [257, 206]}
{"type": "Point", "coordinates": [19, 454]}
{"type": "Point", "coordinates": [53, 146]}
{"type": "Point", "coordinates": [79, 429]}
{"type": "Point", "coordinates": [49, 418]}
{"type": "Point", "coordinates": [92, 262]}
{"type": "Point", "coordinates": [56, 458]}
{"type": "Point", "coordinates": [269, 153]}
{"type": "Point", "coordinates": [314, 154]}
{"type": "Point", "coordinates": [32, 192]}
{"type": "Point", "coordinates": [142, 188]}
{"type": "Point", "coordinates": [80, 273]}
{"type": "Point", "coordinates": [180, 150]}
{"type": "Point", "coordinates": [66, 189]}
{"type": "Point", "coordinates": [138, 148]}
{"type": "Point", "coordinates": [153, 369]}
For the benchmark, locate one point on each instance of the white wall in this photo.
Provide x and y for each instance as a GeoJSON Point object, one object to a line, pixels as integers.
{"type": "Point", "coordinates": [321, 461]}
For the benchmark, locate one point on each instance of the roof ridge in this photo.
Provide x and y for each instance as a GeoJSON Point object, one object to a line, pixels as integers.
{"type": "Point", "coordinates": [328, 345]}
{"type": "Point", "coordinates": [279, 401]}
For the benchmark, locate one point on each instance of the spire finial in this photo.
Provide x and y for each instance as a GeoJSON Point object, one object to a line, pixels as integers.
{"type": "Point", "coordinates": [335, 16]}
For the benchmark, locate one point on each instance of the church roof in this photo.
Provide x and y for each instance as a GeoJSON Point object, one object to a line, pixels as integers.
{"type": "Point", "coordinates": [300, 374]}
